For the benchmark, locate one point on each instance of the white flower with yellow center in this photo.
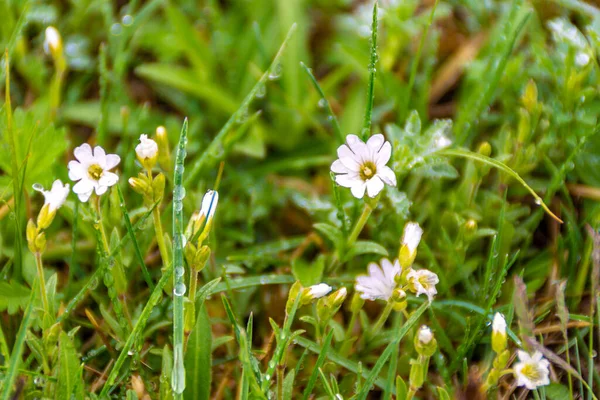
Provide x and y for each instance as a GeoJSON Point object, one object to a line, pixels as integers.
{"type": "Point", "coordinates": [56, 196]}
{"type": "Point", "coordinates": [423, 281]}
{"type": "Point", "coordinates": [380, 283]}
{"type": "Point", "coordinates": [91, 171]}
{"type": "Point", "coordinates": [362, 166]}
{"type": "Point", "coordinates": [531, 371]}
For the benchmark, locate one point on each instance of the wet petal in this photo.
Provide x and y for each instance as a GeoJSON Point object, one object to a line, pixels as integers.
{"type": "Point", "coordinates": [383, 155]}
{"type": "Point", "coordinates": [108, 179]}
{"type": "Point", "coordinates": [112, 160]}
{"type": "Point", "coordinates": [374, 186]}
{"type": "Point", "coordinates": [77, 170]}
{"type": "Point", "coordinates": [339, 168]}
{"type": "Point", "coordinates": [358, 190]}
{"type": "Point", "coordinates": [387, 175]}
{"type": "Point", "coordinates": [83, 153]}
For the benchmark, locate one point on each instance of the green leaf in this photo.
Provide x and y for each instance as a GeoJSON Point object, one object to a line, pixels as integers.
{"type": "Point", "coordinates": [198, 360]}
{"type": "Point", "coordinates": [442, 393]}
{"type": "Point", "coordinates": [309, 273]}
{"type": "Point", "coordinates": [14, 297]}
{"type": "Point", "coordinates": [366, 247]}
{"type": "Point", "coordinates": [288, 385]}
{"type": "Point", "coordinates": [331, 232]}
{"type": "Point", "coordinates": [556, 391]}
{"type": "Point", "coordinates": [401, 389]}
{"type": "Point", "coordinates": [69, 381]}
{"type": "Point", "coordinates": [165, 374]}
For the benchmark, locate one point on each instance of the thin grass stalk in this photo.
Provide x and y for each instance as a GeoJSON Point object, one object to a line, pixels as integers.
{"type": "Point", "coordinates": [366, 130]}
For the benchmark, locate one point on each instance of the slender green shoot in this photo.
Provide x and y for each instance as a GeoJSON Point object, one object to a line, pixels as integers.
{"type": "Point", "coordinates": [366, 130]}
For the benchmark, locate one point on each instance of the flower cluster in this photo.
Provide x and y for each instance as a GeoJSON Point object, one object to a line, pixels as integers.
{"type": "Point", "coordinates": [391, 280]}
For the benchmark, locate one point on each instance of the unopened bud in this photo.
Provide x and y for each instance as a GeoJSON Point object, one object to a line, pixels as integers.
{"type": "Point", "coordinates": [45, 217]}
{"type": "Point", "coordinates": [499, 333]}
{"type": "Point", "coordinates": [485, 149]}
{"type": "Point", "coordinates": [314, 292]}
{"type": "Point", "coordinates": [158, 187]}
{"type": "Point", "coordinates": [147, 152]}
{"type": "Point", "coordinates": [410, 241]}
{"type": "Point", "coordinates": [140, 184]}
{"type": "Point", "coordinates": [337, 298]}
{"type": "Point", "coordinates": [530, 96]}
{"type": "Point", "coordinates": [357, 303]}
{"type": "Point", "coordinates": [425, 343]}
{"type": "Point", "coordinates": [292, 295]}
{"type": "Point", "coordinates": [53, 41]}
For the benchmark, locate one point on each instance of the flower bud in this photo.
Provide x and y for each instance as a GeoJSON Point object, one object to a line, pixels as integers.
{"type": "Point", "coordinates": [425, 342]}
{"type": "Point", "coordinates": [399, 299]}
{"type": "Point", "coordinates": [314, 292]}
{"type": "Point", "coordinates": [292, 295]}
{"type": "Point", "coordinates": [164, 152]}
{"type": "Point", "coordinates": [147, 152]}
{"type": "Point", "coordinates": [53, 42]}
{"type": "Point", "coordinates": [158, 187]}
{"type": "Point", "coordinates": [410, 241]}
{"type": "Point", "coordinates": [45, 217]}
{"type": "Point", "coordinates": [204, 219]}
{"type": "Point", "coordinates": [485, 149]}
{"type": "Point", "coordinates": [530, 97]}
{"type": "Point", "coordinates": [499, 333]}
{"type": "Point", "coordinates": [140, 185]}
{"type": "Point", "coordinates": [337, 298]}
{"type": "Point", "coordinates": [357, 303]}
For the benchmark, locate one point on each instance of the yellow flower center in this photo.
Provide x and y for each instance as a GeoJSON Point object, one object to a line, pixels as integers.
{"type": "Point", "coordinates": [531, 372]}
{"type": "Point", "coordinates": [95, 172]}
{"type": "Point", "coordinates": [368, 170]}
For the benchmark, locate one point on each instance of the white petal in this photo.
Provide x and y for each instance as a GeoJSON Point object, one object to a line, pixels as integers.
{"type": "Point", "coordinates": [374, 186]}
{"type": "Point", "coordinates": [375, 271]}
{"type": "Point", "coordinates": [108, 179]}
{"type": "Point", "coordinates": [348, 158]}
{"type": "Point", "coordinates": [112, 160]}
{"type": "Point", "coordinates": [83, 186]}
{"type": "Point", "coordinates": [83, 153]}
{"type": "Point", "coordinates": [383, 155]}
{"type": "Point", "coordinates": [387, 175]}
{"type": "Point", "coordinates": [352, 139]}
{"type": "Point", "coordinates": [358, 189]}
{"type": "Point", "coordinates": [84, 197]}
{"type": "Point", "coordinates": [100, 190]}
{"type": "Point", "coordinates": [348, 180]}
{"type": "Point", "coordinates": [77, 170]}
{"type": "Point", "coordinates": [339, 168]}
{"type": "Point", "coordinates": [100, 156]}
{"type": "Point", "coordinates": [375, 142]}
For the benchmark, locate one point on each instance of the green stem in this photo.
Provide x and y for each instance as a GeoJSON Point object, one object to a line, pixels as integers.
{"type": "Point", "coordinates": [383, 317]}
{"type": "Point", "coordinates": [40, 271]}
{"type": "Point", "coordinates": [360, 224]}
{"type": "Point", "coordinates": [366, 130]}
{"type": "Point", "coordinates": [160, 237]}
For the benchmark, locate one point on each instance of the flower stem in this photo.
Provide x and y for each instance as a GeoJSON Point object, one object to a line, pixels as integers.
{"type": "Point", "coordinates": [360, 224]}
{"type": "Point", "coordinates": [383, 317]}
{"type": "Point", "coordinates": [160, 237]}
{"type": "Point", "coordinates": [40, 271]}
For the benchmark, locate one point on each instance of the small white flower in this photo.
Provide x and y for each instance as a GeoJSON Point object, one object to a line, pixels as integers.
{"type": "Point", "coordinates": [423, 281]}
{"type": "Point", "coordinates": [91, 169]}
{"type": "Point", "coordinates": [209, 204]}
{"type": "Point", "coordinates": [362, 166]}
{"type": "Point", "coordinates": [425, 335]}
{"type": "Point", "coordinates": [380, 283]}
{"type": "Point", "coordinates": [412, 236]}
{"type": "Point", "coordinates": [531, 371]}
{"type": "Point", "coordinates": [499, 324]}
{"type": "Point", "coordinates": [318, 291]}
{"type": "Point", "coordinates": [56, 196]}
{"type": "Point", "coordinates": [147, 148]}
{"type": "Point", "coordinates": [441, 141]}
{"type": "Point", "coordinates": [52, 40]}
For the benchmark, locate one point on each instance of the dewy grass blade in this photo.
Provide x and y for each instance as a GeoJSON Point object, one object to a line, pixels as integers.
{"type": "Point", "coordinates": [502, 167]}
{"type": "Point", "coordinates": [320, 360]}
{"type": "Point", "coordinates": [217, 142]}
{"type": "Point", "coordinates": [332, 117]}
{"type": "Point", "coordinates": [366, 130]}
{"type": "Point", "coordinates": [137, 330]}
{"type": "Point", "coordinates": [178, 374]}
{"type": "Point", "coordinates": [15, 358]}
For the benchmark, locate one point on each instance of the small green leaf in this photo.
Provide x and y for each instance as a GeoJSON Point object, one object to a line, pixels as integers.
{"type": "Point", "coordinates": [556, 391]}
{"type": "Point", "coordinates": [165, 375]}
{"type": "Point", "coordinates": [198, 360]}
{"type": "Point", "coordinates": [308, 273]}
{"type": "Point", "coordinates": [400, 388]}
{"type": "Point", "coordinates": [288, 385]}
{"type": "Point", "coordinates": [330, 232]}
{"type": "Point", "coordinates": [442, 393]}
{"type": "Point", "coordinates": [366, 247]}
{"type": "Point", "coordinates": [14, 297]}
{"type": "Point", "coordinates": [69, 382]}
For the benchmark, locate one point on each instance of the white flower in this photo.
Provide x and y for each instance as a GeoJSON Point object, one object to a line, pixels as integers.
{"type": "Point", "coordinates": [423, 281]}
{"type": "Point", "coordinates": [363, 167]}
{"type": "Point", "coordinates": [531, 371]}
{"type": "Point", "coordinates": [56, 196]}
{"type": "Point", "coordinates": [318, 291]}
{"type": "Point", "coordinates": [412, 236]}
{"type": "Point", "coordinates": [209, 204]}
{"type": "Point", "coordinates": [52, 40]}
{"type": "Point", "coordinates": [441, 141]}
{"type": "Point", "coordinates": [92, 171]}
{"type": "Point", "coordinates": [425, 335]}
{"type": "Point", "coordinates": [499, 324]}
{"type": "Point", "coordinates": [380, 283]}
{"type": "Point", "coordinates": [147, 148]}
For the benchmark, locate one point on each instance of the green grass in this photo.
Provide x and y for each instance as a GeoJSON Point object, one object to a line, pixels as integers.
{"type": "Point", "coordinates": [255, 97]}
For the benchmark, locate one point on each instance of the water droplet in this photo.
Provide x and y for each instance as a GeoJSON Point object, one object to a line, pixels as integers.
{"type": "Point", "coordinates": [93, 284]}
{"type": "Point", "coordinates": [127, 20]}
{"type": "Point", "coordinates": [267, 377]}
{"type": "Point", "coordinates": [322, 103]}
{"type": "Point", "coordinates": [179, 169]}
{"type": "Point", "coordinates": [178, 374]}
{"type": "Point", "coordinates": [108, 279]}
{"type": "Point", "coordinates": [594, 354]}
{"type": "Point", "coordinates": [178, 205]}
{"type": "Point", "coordinates": [272, 364]}
{"type": "Point", "coordinates": [179, 193]}
{"type": "Point", "coordinates": [116, 29]}
{"type": "Point", "coordinates": [179, 271]}
{"type": "Point", "coordinates": [275, 72]}
{"type": "Point", "coordinates": [183, 240]}
{"type": "Point", "coordinates": [538, 201]}
{"type": "Point", "coordinates": [261, 91]}
{"type": "Point", "coordinates": [242, 116]}
{"type": "Point", "coordinates": [263, 281]}
{"type": "Point", "coordinates": [38, 381]}
{"type": "Point", "coordinates": [179, 289]}
{"type": "Point", "coordinates": [37, 187]}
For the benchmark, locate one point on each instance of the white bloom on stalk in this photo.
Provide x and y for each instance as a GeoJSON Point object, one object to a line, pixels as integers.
{"type": "Point", "coordinates": [209, 204]}
{"type": "Point", "coordinates": [531, 371]}
{"type": "Point", "coordinates": [425, 335]}
{"type": "Point", "coordinates": [423, 281]}
{"type": "Point", "coordinates": [318, 291]}
{"type": "Point", "coordinates": [56, 196]}
{"type": "Point", "coordinates": [52, 40]}
{"type": "Point", "coordinates": [92, 171]}
{"type": "Point", "coordinates": [362, 166]}
{"type": "Point", "coordinates": [499, 324]}
{"type": "Point", "coordinates": [412, 236]}
{"type": "Point", "coordinates": [380, 283]}
{"type": "Point", "coordinates": [147, 148]}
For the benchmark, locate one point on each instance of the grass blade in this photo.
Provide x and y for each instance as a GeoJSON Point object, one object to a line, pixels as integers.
{"type": "Point", "coordinates": [198, 360]}
{"type": "Point", "coordinates": [366, 131]}
{"type": "Point", "coordinates": [318, 364]}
